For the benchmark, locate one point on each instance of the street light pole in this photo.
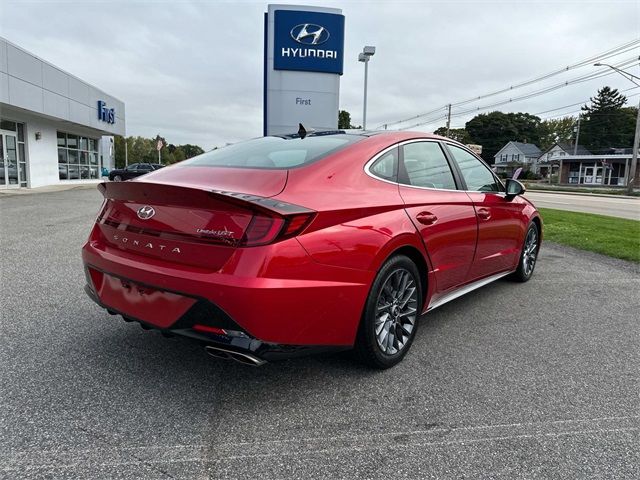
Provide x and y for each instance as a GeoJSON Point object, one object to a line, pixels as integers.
{"type": "Point", "coordinates": [631, 174]}
{"type": "Point", "coordinates": [365, 56]}
{"type": "Point", "coordinates": [364, 107]}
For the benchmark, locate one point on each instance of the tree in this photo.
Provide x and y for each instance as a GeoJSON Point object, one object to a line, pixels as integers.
{"type": "Point", "coordinates": [142, 149]}
{"type": "Point", "coordinates": [190, 150]}
{"type": "Point", "coordinates": [344, 120]}
{"type": "Point", "coordinates": [556, 130]}
{"type": "Point", "coordinates": [493, 130]}
{"type": "Point", "coordinates": [458, 134]}
{"type": "Point", "coordinates": [606, 123]}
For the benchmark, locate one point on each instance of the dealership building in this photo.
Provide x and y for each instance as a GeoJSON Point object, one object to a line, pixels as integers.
{"type": "Point", "coordinates": [52, 123]}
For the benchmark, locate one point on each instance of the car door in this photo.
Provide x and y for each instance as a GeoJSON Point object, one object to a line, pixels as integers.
{"type": "Point", "coordinates": [144, 168]}
{"type": "Point", "coordinates": [443, 214]}
{"type": "Point", "coordinates": [500, 219]}
{"type": "Point", "coordinates": [129, 171]}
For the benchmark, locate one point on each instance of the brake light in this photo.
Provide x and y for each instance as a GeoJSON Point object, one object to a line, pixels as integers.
{"type": "Point", "coordinates": [296, 224]}
{"type": "Point", "coordinates": [263, 230]}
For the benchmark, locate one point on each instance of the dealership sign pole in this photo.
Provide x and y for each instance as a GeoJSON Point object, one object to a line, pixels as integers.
{"type": "Point", "coordinates": [303, 62]}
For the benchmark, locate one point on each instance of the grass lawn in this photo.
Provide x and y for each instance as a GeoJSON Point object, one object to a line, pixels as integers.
{"type": "Point", "coordinates": [615, 237]}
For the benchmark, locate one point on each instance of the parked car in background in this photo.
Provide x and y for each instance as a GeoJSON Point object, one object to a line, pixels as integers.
{"type": "Point", "coordinates": [285, 245]}
{"type": "Point", "coordinates": [132, 171]}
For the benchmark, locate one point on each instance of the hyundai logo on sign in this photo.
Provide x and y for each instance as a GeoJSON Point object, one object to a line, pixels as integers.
{"type": "Point", "coordinates": [308, 41]}
{"type": "Point", "coordinates": [310, 34]}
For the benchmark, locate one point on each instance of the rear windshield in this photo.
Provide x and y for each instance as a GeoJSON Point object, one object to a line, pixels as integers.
{"type": "Point", "coordinates": [274, 152]}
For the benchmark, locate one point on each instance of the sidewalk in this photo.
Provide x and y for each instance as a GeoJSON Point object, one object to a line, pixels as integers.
{"type": "Point", "coordinates": [48, 189]}
{"type": "Point", "coordinates": [586, 194]}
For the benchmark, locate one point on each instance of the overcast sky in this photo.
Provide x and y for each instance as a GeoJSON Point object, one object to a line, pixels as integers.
{"type": "Point", "coordinates": [192, 71]}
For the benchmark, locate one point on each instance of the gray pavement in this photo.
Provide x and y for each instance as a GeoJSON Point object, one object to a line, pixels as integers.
{"type": "Point", "coordinates": [535, 380]}
{"type": "Point", "coordinates": [612, 205]}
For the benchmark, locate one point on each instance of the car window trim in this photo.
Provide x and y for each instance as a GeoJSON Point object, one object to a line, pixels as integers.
{"type": "Point", "coordinates": [487, 166]}
{"type": "Point", "coordinates": [399, 145]}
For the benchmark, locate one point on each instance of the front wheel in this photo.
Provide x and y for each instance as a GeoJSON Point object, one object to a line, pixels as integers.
{"type": "Point", "coordinates": [389, 322]}
{"type": "Point", "coordinates": [529, 255]}
{"type": "Point", "coordinates": [117, 178]}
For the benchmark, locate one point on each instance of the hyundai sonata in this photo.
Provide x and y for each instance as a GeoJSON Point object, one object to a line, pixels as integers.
{"type": "Point", "coordinates": [287, 245]}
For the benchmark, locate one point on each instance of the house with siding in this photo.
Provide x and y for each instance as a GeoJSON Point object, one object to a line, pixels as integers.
{"type": "Point", "coordinates": [515, 155]}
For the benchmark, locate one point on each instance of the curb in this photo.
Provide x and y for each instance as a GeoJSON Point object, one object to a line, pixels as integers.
{"type": "Point", "coordinates": [584, 194]}
{"type": "Point", "coordinates": [50, 189]}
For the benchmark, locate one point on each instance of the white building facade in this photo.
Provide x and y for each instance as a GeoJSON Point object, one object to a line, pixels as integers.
{"type": "Point", "coordinates": [51, 123]}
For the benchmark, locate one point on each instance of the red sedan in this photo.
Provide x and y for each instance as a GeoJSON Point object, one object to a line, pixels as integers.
{"type": "Point", "coordinates": [286, 245]}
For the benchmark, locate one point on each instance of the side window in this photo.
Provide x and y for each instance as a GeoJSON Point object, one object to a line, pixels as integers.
{"type": "Point", "coordinates": [424, 165]}
{"type": "Point", "coordinates": [144, 167]}
{"type": "Point", "coordinates": [133, 167]}
{"type": "Point", "coordinates": [386, 166]}
{"type": "Point", "coordinates": [476, 174]}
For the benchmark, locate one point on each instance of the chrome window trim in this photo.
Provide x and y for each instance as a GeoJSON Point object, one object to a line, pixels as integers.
{"type": "Point", "coordinates": [462, 147]}
{"type": "Point", "coordinates": [398, 145]}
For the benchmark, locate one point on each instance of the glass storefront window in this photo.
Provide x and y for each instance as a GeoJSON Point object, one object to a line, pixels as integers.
{"type": "Point", "coordinates": [74, 172]}
{"type": "Point", "coordinates": [62, 155]}
{"type": "Point", "coordinates": [72, 141]}
{"type": "Point", "coordinates": [75, 155]}
{"type": "Point", "coordinates": [13, 166]}
{"type": "Point", "coordinates": [7, 125]}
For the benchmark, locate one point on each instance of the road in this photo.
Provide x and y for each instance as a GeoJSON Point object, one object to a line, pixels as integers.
{"type": "Point", "coordinates": [613, 206]}
{"type": "Point", "coordinates": [534, 380]}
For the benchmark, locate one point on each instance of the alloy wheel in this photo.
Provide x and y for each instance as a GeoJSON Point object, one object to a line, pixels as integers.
{"type": "Point", "coordinates": [530, 252]}
{"type": "Point", "coordinates": [396, 311]}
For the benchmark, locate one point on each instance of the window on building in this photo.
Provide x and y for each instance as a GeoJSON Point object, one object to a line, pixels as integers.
{"type": "Point", "coordinates": [16, 159]}
{"type": "Point", "coordinates": [77, 157]}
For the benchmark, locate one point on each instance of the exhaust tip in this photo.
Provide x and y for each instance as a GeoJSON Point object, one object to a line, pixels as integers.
{"type": "Point", "coordinates": [240, 357]}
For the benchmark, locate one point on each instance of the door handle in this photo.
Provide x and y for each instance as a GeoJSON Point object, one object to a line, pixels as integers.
{"type": "Point", "coordinates": [484, 213]}
{"type": "Point", "coordinates": [426, 218]}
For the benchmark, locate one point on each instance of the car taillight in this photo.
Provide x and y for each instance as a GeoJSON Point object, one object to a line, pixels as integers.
{"type": "Point", "coordinates": [263, 230]}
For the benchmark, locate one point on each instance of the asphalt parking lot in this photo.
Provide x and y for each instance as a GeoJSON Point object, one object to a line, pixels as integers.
{"type": "Point", "coordinates": [535, 380]}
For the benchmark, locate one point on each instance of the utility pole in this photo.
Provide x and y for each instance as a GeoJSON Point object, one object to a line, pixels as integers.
{"type": "Point", "coordinates": [634, 157]}
{"type": "Point", "coordinates": [448, 118]}
{"type": "Point", "coordinates": [631, 175]}
{"type": "Point", "coordinates": [575, 146]}
{"type": "Point", "coordinates": [126, 153]}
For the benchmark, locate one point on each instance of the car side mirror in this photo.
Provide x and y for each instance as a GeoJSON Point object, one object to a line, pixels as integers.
{"type": "Point", "coordinates": [514, 188]}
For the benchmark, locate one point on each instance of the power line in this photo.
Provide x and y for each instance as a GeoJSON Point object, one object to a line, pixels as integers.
{"type": "Point", "coordinates": [551, 88]}
{"type": "Point", "coordinates": [580, 103]}
{"type": "Point", "coordinates": [620, 49]}
{"type": "Point", "coordinates": [610, 53]}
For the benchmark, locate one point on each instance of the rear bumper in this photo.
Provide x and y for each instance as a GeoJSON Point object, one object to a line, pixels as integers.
{"type": "Point", "coordinates": [279, 317]}
{"type": "Point", "coordinates": [242, 344]}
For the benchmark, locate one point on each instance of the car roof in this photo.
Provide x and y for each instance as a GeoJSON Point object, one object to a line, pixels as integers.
{"type": "Point", "coordinates": [401, 134]}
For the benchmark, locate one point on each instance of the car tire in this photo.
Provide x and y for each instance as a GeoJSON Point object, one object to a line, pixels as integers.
{"type": "Point", "coordinates": [390, 318]}
{"type": "Point", "coordinates": [117, 178]}
{"type": "Point", "coordinates": [528, 255]}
